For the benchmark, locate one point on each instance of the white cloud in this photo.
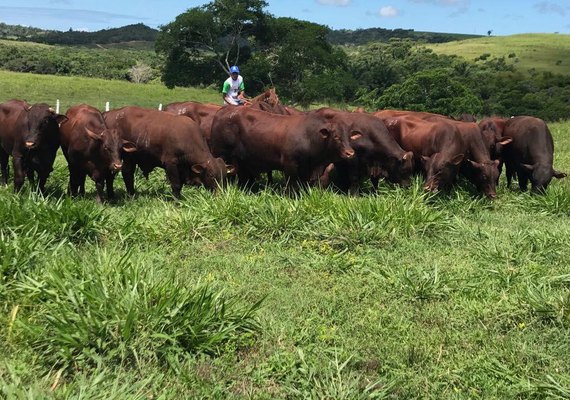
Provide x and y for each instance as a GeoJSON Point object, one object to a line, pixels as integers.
{"type": "Point", "coordinates": [446, 3]}
{"type": "Point", "coordinates": [388, 12]}
{"type": "Point", "coordinates": [547, 7]}
{"type": "Point", "coordinates": [340, 3]}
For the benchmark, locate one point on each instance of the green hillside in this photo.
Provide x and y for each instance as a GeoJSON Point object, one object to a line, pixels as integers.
{"type": "Point", "coordinates": [74, 90]}
{"type": "Point", "coordinates": [543, 52]}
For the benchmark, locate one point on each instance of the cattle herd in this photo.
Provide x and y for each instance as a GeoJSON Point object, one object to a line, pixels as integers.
{"type": "Point", "coordinates": [206, 144]}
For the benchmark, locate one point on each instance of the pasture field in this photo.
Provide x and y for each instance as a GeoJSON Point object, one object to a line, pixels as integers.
{"type": "Point", "coordinates": [240, 295]}
{"type": "Point", "coordinates": [96, 92]}
{"type": "Point", "coordinates": [543, 52]}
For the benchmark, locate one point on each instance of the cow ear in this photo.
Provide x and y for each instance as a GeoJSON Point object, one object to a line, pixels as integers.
{"type": "Point", "coordinates": [325, 133]}
{"type": "Point", "coordinates": [355, 135]}
{"type": "Point", "coordinates": [457, 159]}
{"type": "Point", "coordinates": [559, 175]}
{"type": "Point", "coordinates": [129, 146]}
{"type": "Point", "coordinates": [528, 167]}
{"type": "Point", "coordinates": [93, 135]}
{"type": "Point", "coordinates": [505, 140]}
{"type": "Point", "coordinates": [60, 119]}
{"type": "Point", "coordinates": [197, 168]}
{"type": "Point", "coordinates": [231, 170]}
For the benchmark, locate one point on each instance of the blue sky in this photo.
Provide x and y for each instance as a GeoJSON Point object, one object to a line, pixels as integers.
{"type": "Point", "coordinates": [503, 17]}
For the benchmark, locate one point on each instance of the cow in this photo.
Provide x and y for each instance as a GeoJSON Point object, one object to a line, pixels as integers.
{"type": "Point", "coordinates": [203, 114]}
{"type": "Point", "coordinates": [256, 141]}
{"type": "Point", "coordinates": [90, 148]}
{"type": "Point", "coordinates": [172, 142]}
{"type": "Point", "coordinates": [30, 135]}
{"type": "Point", "coordinates": [477, 166]}
{"type": "Point", "coordinates": [437, 146]}
{"type": "Point", "coordinates": [377, 154]}
{"type": "Point", "coordinates": [530, 154]}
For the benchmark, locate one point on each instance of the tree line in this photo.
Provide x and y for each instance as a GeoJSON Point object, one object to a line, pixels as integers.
{"type": "Point", "coordinates": [299, 59]}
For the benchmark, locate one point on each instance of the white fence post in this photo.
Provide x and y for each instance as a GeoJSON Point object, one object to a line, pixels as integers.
{"type": "Point", "coordinates": [107, 106]}
{"type": "Point", "coordinates": [160, 107]}
{"type": "Point", "coordinates": [57, 106]}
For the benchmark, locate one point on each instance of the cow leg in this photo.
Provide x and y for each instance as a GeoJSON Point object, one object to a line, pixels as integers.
{"type": "Point", "coordinates": [128, 171]}
{"type": "Point", "coordinates": [42, 179]}
{"type": "Point", "coordinates": [375, 180]}
{"type": "Point", "coordinates": [523, 180]}
{"type": "Point", "coordinates": [82, 177]}
{"type": "Point", "coordinates": [4, 166]}
{"type": "Point", "coordinates": [74, 182]}
{"type": "Point", "coordinates": [509, 172]}
{"type": "Point", "coordinates": [246, 179]}
{"type": "Point", "coordinates": [110, 190]}
{"type": "Point", "coordinates": [354, 188]}
{"type": "Point", "coordinates": [31, 177]}
{"type": "Point", "coordinates": [19, 173]}
{"type": "Point", "coordinates": [100, 187]}
{"type": "Point", "coordinates": [173, 176]}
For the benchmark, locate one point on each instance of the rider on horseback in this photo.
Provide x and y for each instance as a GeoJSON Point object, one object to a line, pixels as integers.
{"type": "Point", "coordinates": [233, 89]}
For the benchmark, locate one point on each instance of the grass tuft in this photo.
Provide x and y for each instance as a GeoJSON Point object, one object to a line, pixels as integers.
{"type": "Point", "coordinates": [113, 311]}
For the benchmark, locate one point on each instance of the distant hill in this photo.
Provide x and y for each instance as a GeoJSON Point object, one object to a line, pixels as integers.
{"type": "Point", "coordinates": [143, 36]}
{"type": "Point", "coordinates": [363, 36]}
{"type": "Point", "coordinates": [128, 33]}
{"type": "Point", "coordinates": [528, 52]}
{"type": "Point", "coordinates": [19, 32]}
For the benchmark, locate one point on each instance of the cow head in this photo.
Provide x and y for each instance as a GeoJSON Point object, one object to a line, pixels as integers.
{"type": "Point", "coordinates": [338, 142]}
{"type": "Point", "coordinates": [400, 170]}
{"type": "Point", "coordinates": [110, 145]}
{"type": "Point", "coordinates": [492, 132]}
{"type": "Point", "coordinates": [212, 173]}
{"type": "Point", "coordinates": [42, 121]}
{"type": "Point", "coordinates": [336, 133]}
{"type": "Point", "coordinates": [485, 176]}
{"type": "Point", "coordinates": [541, 175]}
{"type": "Point", "coordinates": [440, 171]}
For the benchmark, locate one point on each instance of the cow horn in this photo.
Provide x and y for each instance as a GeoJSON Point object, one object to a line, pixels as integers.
{"type": "Point", "coordinates": [51, 110]}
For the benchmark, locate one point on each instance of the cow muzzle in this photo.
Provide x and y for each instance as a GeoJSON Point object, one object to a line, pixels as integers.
{"type": "Point", "coordinates": [30, 144]}
{"type": "Point", "coordinates": [431, 187]}
{"type": "Point", "coordinates": [348, 153]}
{"type": "Point", "coordinates": [117, 166]}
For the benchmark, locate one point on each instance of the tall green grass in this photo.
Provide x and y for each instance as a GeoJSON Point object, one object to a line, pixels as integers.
{"type": "Point", "coordinates": [82, 311]}
{"type": "Point", "coordinates": [395, 294]}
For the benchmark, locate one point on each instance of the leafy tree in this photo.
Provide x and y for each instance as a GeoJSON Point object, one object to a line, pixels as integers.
{"type": "Point", "coordinates": [210, 38]}
{"type": "Point", "coordinates": [306, 67]}
{"type": "Point", "coordinates": [434, 91]}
